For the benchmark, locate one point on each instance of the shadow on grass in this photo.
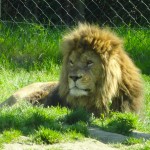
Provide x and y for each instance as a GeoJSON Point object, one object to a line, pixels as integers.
{"type": "Point", "coordinates": [44, 124]}
{"type": "Point", "coordinates": [26, 121]}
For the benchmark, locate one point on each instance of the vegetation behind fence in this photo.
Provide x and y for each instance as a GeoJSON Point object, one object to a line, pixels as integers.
{"type": "Point", "coordinates": [30, 30]}
{"type": "Point", "coordinates": [66, 12]}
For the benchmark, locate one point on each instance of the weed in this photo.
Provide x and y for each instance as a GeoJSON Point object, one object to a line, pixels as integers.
{"type": "Point", "coordinates": [73, 135]}
{"type": "Point", "coordinates": [47, 136]}
{"type": "Point", "coordinates": [8, 136]}
{"type": "Point", "coordinates": [76, 115]}
{"type": "Point", "coordinates": [146, 146]}
{"type": "Point", "coordinates": [80, 127]}
{"type": "Point", "coordinates": [122, 123]}
{"type": "Point", "coordinates": [132, 141]}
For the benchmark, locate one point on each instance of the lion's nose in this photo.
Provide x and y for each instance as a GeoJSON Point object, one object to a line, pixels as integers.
{"type": "Point", "coordinates": [75, 78]}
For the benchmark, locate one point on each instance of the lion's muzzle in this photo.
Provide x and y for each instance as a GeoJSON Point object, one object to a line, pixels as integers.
{"type": "Point", "coordinates": [77, 87]}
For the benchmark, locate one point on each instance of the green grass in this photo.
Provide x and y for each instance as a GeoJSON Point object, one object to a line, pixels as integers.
{"type": "Point", "coordinates": [78, 115]}
{"type": "Point", "coordinates": [137, 44]}
{"type": "Point", "coordinates": [31, 54]}
{"type": "Point", "coordinates": [134, 144]}
{"type": "Point", "coordinates": [29, 47]}
{"type": "Point", "coordinates": [122, 123]}
{"type": "Point", "coordinates": [32, 46]}
{"type": "Point", "coordinates": [8, 136]}
{"type": "Point", "coordinates": [41, 125]}
{"type": "Point", "coordinates": [132, 141]}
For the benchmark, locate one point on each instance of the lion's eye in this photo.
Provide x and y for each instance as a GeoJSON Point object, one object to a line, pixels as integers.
{"type": "Point", "coordinates": [71, 63]}
{"type": "Point", "coordinates": [89, 63]}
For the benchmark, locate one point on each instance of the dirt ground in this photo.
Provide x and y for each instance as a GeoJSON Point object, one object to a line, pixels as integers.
{"type": "Point", "coordinates": [100, 140]}
{"type": "Point", "coordinates": [86, 144]}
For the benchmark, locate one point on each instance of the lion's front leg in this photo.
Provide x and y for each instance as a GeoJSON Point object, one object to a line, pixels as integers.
{"type": "Point", "coordinates": [125, 103]}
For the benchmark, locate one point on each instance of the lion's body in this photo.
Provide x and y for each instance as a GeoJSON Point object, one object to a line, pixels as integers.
{"type": "Point", "coordinates": [35, 93]}
{"type": "Point", "coordinates": [97, 72]}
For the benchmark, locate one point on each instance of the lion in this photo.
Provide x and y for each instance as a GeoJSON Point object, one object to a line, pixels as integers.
{"type": "Point", "coordinates": [96, 74]}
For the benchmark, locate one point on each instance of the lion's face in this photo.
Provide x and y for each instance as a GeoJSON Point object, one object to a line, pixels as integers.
{"type": "Point", "coordinates": [83, 72]}
{"type": "Point", "coordinates": [90, 69]}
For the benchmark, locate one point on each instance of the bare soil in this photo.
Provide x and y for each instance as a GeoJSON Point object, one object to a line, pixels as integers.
{"type": "Point", "coordinates": [99, 140]}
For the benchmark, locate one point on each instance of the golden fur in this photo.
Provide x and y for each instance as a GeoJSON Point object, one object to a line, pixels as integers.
{"type": "Point", "coordinates": [114, 80]}
{"type": "Point", "coordinates": [96, 73]}
{"type": "Point", "coordinates": [35, 93]}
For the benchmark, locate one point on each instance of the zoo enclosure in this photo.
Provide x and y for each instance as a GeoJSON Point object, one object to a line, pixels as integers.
{"type": "Point", "coordinates": [130, 17]}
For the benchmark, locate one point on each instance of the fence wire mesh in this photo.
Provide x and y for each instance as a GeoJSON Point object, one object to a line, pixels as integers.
{"type": "Point", "coordinates": [60, 14]}
{"type": "Point", "coordinates": [68, 12]}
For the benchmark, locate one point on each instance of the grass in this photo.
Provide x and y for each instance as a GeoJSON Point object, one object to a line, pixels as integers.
{"type": "Point", "coordinates": [78, 115]}
{"type": "Point", "coordinates": [31, 54]}
{"type": "Point", "coordinates": [122, 123]}
{"type": "Point", "coordinates": [8, 136]}
{"type": "Point", "coordinates": [41, 125]}
{"type": "Point", "coordinates": [134, 144]}
{"type": "Point", "coordinates": [137, 45]}
{"type": "Point", "coordinates": [32, 46]}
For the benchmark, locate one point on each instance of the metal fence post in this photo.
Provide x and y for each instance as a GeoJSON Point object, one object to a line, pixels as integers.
{"type": "Point", "coordinates": [0, 8]}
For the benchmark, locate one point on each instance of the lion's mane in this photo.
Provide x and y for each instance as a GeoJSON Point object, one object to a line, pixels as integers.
{"type": "Point", "coordinates": [120, 84]}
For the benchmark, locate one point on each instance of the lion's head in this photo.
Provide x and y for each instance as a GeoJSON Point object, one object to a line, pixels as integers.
{"type": "Point", "coordinates": [88, 52]}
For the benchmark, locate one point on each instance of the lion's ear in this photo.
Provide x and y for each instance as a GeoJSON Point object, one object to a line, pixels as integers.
{"type": "Point", "coordinates": [65, 46]}
{"type": "Point", "coordinates": [116, 42]}
{"type": "Point", "coordinates": [68, 43]}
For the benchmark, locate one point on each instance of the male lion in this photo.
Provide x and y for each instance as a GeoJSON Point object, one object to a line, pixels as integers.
{"type": "Point", "coordinates": [96, 73]}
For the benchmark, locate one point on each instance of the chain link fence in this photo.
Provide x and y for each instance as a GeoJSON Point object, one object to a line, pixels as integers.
{"type": "Point", "coordinates": [135, 13]}
{"type": "Point", "coordinates": [59, 14]}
